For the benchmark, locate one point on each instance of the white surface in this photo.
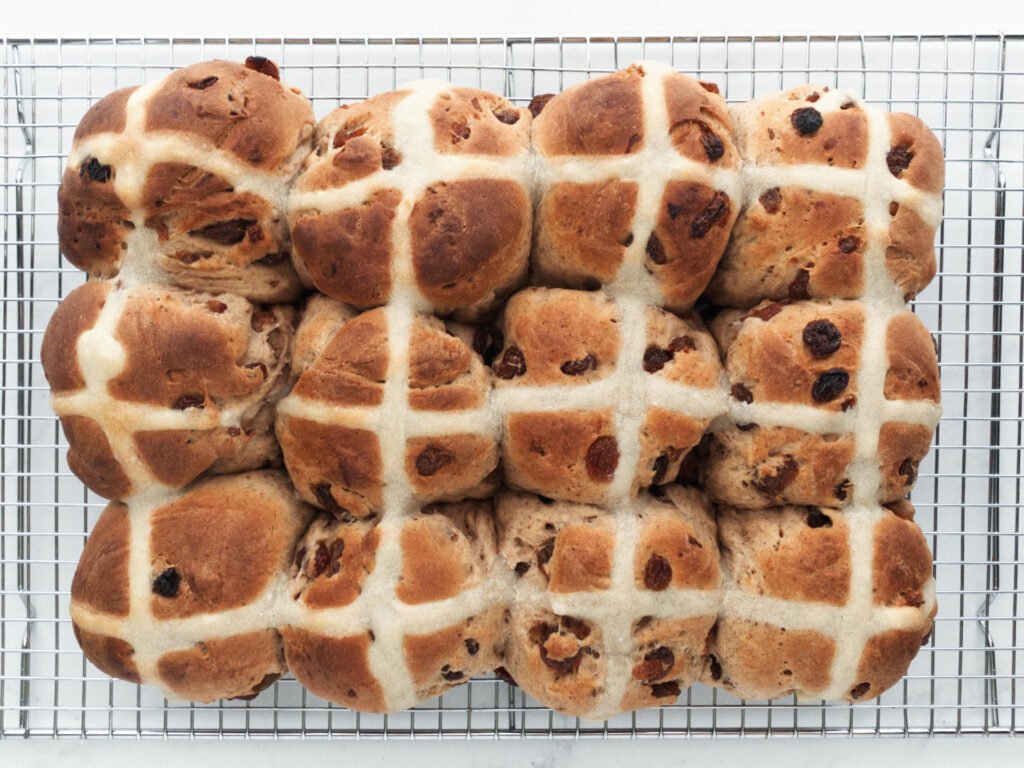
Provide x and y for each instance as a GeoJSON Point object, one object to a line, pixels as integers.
{"type": "Point", "coordinates": [521, 17]}
{"type": "Point", "coordinates": [833, 753]}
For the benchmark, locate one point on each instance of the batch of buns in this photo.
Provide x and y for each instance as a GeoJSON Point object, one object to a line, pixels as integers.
{"type": "Point", "coordinates": [419, 392]}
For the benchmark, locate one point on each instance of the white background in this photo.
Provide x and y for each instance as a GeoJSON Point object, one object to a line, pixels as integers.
{"type": "Point", "coordinates": [512, 17]}
{"type": "Point", "coordinates": [103, 18]}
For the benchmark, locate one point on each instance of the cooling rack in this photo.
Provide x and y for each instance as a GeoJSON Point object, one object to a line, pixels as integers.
{"type": "Point", "coordinates": [970, 90]}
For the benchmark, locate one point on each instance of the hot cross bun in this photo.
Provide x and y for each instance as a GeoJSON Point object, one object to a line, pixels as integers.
{"type": "Point", "coordinates": [157, 386]}
{"type": "Point", "coordinates": [182, 179]}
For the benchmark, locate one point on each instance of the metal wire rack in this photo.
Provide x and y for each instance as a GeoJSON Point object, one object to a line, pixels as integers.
{"type": "Point", "coordinates": [970, 90]}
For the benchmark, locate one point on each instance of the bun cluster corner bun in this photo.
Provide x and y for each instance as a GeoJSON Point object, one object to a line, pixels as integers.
{"type": "Point", "coordinates": [612, 394]}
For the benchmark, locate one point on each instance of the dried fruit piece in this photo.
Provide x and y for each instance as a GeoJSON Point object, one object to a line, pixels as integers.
{"type": "Point", "coordinates": [713, 146]}
{"type": "Point", "coordinates": [521, 568]}
{"type": "Point", "coordinates": [716, 668]}
{"type": "Point", "coordinates": [487, 342]}
{"type": "Point", "coordinates": [579, 367]}
{"type": "Point", "coordinates": [799, 289]}
{"type": "Point", "coordinates": [842, 489]}
{"type": "Point", "coordinates": [602, 458]}
{"type": "Point", "coordinates": [538, 102]}
{"type": "Point", "coordinates": [655, 250]}
{"type": "Point", "coordinates": [322, 491]}
{"type": "Point", "coordinates": [507, 115]}
{"type": "Point", "coordinates": [766, 312]}
{"type": "Point", "coordinates": [95, 170]}
{"type": "Point", "coordinates": [908, 469]}
{"type": "Point", "coordinates": [224, 232]}
{"type": "Point", "coordinates": [806, 120]}
{"type": "Point", "coordinates": [849, 244]}
{"type": "Point", "coordinates": [818, 519]}
{"type": "Point", "coordinates": [898, 159]}
{"type": "Point", "coordinates": [772, 485]}
{"type": "Point", "coordinates": [656, 664]}
{"type": "Point", "coordinates": [432, 460]}
{"type": "Point", "coordinates": [389, 157]}
{"type": "Point", "coordinates": [321, 561]}
{"type": "Point", "coordinates": [544, 554]}
{"type": "Point", "coordinates": [682, 344]}
{"type": "Point", "coordinates": [822, 338]}
{"type": "Point", "coordinates": [741, 393]}
{"type": "Point", "coordinates": [451, 674]}
{"type": "Point", "coordinates": [512, 364]}
{"type": "Point", "coordinates": [206, 82]}
{"type": "Point", "coordinates": [665, 690]}
{"type": "Point", "coordinates": [771, 199]}
{"type": "Point", "coordinates": [167, 583]}
{"type": "Point", "coordinates": [655, 358]}
{"type": "Point", "coordinates": [660, 468]}
{"type": "Point", "coordinates": [263, 65]}
{"type": "Point", "coordinates": [472, 646]}
{"type": "Point", "coordinates": [717, 207]}
{"type": "Point", "coordinates": [859, 690]}
{"type": "Point", "coordinates": [830, 385]}
{"type": "Point", "coordinates": [190, 401]}
{"type": "Point", "coordinates": [657, 573]}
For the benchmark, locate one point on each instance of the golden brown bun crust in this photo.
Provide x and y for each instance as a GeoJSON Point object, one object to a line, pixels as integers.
{"type": "Point", "coordinates": [206, 235]}
{"type": "Point", "coordinates": [793, 242]}
{"type": "Point", "coordinates": [334, 668]}
{"type": "Point", "coordinates": [767, 135]}
{"type": "Point", "coordinates": [761, 661]}
{"type": "Point", "coordinates": [244, 111]}
{"type": "Point", "coordinates": [182, 351]}
{"type": "Point", "coordinates": [777, 353]}
{"type": "Point", "coordinates": [75, 314]}
{"type": "Point", "coordinates": [753, 467]}
{"type": "Point", "coordinates": [561, 549]}
{"type": "Point", "coordinates": [342, 360]}
{"type": "Point", "coordinates": [803, 554]}
{"type": "Point", "coordinates": [792, 553]}
{"type": "Point", "coordinates": [359, 243]}
{"type": "Point", "coordinates": [584, 229]}
{"type": "Point", "coordinates": [110, 655]}
{"type": "Point", "coordinates": [101, 578]}
{"type": "Point", "coordinates": [469, 237]}
{"type": "Point", "coordinates": [250, 524]}
{"type": "Point", "coordinates": [599, 117]}
{"type": "Point", "coordinates": [225, 668]}
{"type": "Point", "coordinates": [447, 550]}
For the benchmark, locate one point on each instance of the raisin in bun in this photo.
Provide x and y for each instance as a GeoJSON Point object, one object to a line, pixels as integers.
{"type": "Point", "coordinates": [183, 180]}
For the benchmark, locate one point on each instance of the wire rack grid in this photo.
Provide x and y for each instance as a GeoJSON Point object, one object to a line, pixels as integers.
{"type": "Point", "coordinates": [970, 90]}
